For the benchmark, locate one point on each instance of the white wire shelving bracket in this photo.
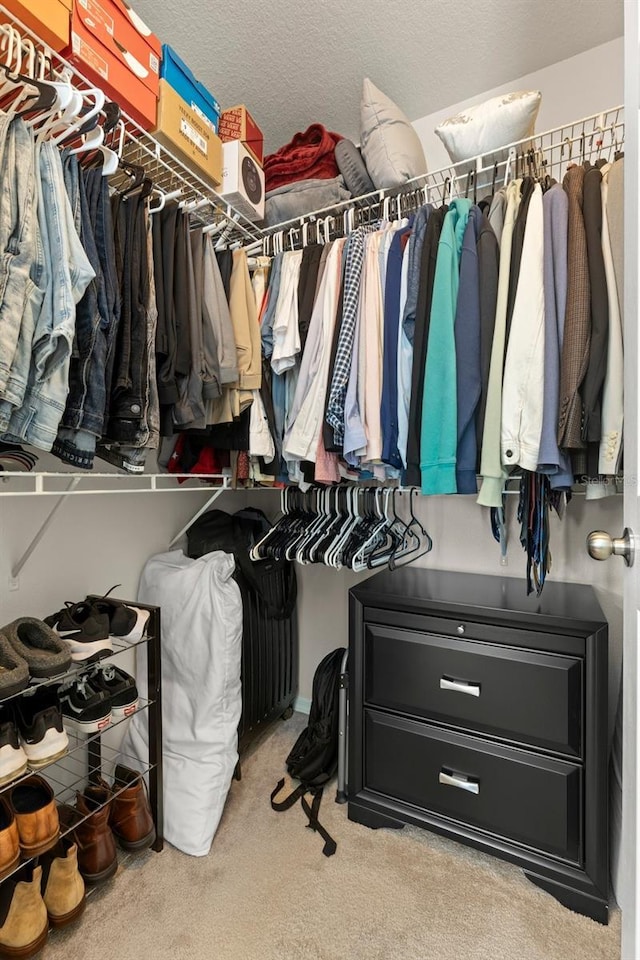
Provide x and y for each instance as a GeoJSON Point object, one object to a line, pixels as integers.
{"type": "Point", "coordinates": [48, 484]}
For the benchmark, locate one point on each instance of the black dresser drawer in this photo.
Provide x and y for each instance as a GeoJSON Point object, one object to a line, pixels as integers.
{"type": "Point", "coordinates": [520, 695]}
{"type": "Point", "coordinates": [514, 794]}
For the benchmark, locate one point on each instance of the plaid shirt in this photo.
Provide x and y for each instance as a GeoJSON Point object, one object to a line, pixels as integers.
{"type": "Point", "coordinates": [344, 353]}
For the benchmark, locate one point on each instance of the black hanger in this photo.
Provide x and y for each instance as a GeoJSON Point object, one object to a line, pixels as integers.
{"type": "Point", "coordinates": [134, 170]}
{"type": "Point", "coordinates": [495, 177]}
{"type": "Point", "coordinates": [47, 94]}
{"type": "Point", "coordinates": [112, 114]}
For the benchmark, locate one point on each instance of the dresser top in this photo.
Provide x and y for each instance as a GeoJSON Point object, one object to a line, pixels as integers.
{"type": "Point", "coordinates": [420, 589]}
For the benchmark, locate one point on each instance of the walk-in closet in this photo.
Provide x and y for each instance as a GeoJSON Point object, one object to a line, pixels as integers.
{"type": "Point", "coordinates": [319, 500]}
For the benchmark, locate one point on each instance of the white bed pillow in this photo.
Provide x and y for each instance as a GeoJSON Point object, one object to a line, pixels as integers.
{"type": "Point", "coordinates": [490, 125]}
{"type": "Point", "coordinates": [390, 146]}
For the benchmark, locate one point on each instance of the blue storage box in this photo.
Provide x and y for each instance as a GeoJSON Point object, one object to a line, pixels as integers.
{"type": "Point", "coordinates": [179, 76]}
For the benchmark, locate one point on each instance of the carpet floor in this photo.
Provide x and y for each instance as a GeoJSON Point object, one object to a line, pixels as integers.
{"type": "Point", "coordinates": [265, 892]}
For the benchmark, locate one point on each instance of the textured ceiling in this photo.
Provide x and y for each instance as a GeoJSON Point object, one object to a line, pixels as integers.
{"type": "Point", "coordinates": [297, 63]}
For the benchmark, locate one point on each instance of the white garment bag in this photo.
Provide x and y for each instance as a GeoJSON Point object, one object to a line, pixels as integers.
{"type": "Point", "coordinates": [201, 695]}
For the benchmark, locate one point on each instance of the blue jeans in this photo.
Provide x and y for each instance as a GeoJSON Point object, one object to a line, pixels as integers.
{"type": "Point", "coordinates": [19, 297]}
{"type": "Point", "coordinates": [65, 273]}
{"type": "Point", "coordinates": [84, 411]}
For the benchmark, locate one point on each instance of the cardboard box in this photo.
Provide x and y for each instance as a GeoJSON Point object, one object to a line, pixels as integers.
{"type": "Point", "coordinates": [49, 19]}
{"type": "Point", "coordinates": [186, 135]}
{"type": "Point", "coordinates": [236, 123]}
{"type": "Point", "coordinates": [242, 180]}
{"type": "Point", "coordinates": [114, 50]}
{"type": "Point", "coordinates": [195, 94]}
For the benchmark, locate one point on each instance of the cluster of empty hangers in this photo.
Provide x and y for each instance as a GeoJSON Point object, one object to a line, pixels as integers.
{"type": "Point", "coordinates": [346, 526]}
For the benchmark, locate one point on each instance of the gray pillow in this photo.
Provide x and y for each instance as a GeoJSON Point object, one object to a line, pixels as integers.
{"type": "Point", "coordinates": [351, 166]}
{"type": "Point", "coordinates": [390, 146]}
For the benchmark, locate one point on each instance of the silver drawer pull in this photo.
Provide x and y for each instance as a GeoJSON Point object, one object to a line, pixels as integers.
{"type": "Point", "coordinates": [458, 780]}
{"type": "Point", "coordinates": [460, 686]}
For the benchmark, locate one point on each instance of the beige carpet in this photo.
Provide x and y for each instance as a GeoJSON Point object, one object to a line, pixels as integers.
{"type": "Point", "coordinates": [265, 892]}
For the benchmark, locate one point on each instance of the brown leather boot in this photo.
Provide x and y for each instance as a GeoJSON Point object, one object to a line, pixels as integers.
{"type": "Point", "coordinates": [97, 854]}
{"type": "Point", "coordinates": [131, 819]}
{"type": "Point", "coordinates": [36, 814]}
{"type": "Point", "coordinates": [62, 885]}
{"type": "Point", "coordinates": [9, 839]}
{"type": "Point", "coordinates": [23, 915]}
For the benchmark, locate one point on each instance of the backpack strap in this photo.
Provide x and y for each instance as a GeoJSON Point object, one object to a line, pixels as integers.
{"type": "Point", "coordinates": [312, 811]}
{"type": "Point", "coordinates": [287, 803]}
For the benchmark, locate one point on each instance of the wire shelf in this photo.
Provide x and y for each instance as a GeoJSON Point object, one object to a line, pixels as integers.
{"type": "Point", "coordinates": [51, 484]}
{"type": "Point", "coordinates": [160, 164]}
{"type": "Point", "coordinates": [598, 135]}
{"type": "Point", "coordinates": [81, 772]}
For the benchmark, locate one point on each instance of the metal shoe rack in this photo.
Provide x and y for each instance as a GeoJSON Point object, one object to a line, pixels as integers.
{"type": "Point", "coordinates": [87, 755]}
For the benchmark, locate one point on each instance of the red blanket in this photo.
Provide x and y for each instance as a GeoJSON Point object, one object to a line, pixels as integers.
{"type": "Point", "coordinates": [310, 155]}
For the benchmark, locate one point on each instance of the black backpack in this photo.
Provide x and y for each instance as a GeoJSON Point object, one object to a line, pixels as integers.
{"type": "Point", "coordinates": [313, 759]}
{"type": "Point", "coordinates": [274, 581]}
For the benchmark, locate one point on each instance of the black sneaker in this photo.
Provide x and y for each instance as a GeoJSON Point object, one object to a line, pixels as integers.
{"type": "Point", "coordinates": [126, 622]}
{"type": "Point", "coordinates": [84, 630]}
{"type": "Point", "coordinates": [84, 708]}
{"type": "Point", "coordinates": [13, 759]}
{"type": "Point", "coordinates": [119, 686]}
{"type": "Point", "coordinates": [39, 720]}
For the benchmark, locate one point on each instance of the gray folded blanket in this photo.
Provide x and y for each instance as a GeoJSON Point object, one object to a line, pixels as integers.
{"type": "Point", "coordinates": [302, 197]}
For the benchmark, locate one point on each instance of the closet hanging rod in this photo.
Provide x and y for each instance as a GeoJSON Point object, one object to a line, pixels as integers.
{"type": "Point", "coordinates": [160, 164]}
{"type": "Point", "coordinates": [566, 139]}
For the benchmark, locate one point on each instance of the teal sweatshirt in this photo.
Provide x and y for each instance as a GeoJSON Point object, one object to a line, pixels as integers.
{"type": "Point", "coordinates": [439, 434]}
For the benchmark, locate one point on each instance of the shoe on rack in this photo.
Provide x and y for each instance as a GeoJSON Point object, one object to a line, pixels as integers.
{"type": "Point", "coordinates": [35, 641]}
{"type": "Point", "coordinates": [62, 885]}
{"type": "Point", "coordinates": [14, 670]}
{"type": "Point", "coordinates": [131, 819]}
{"type": "Point", "coordinates": [24, 925]}
{"type": "Point", "coordinates": [84, 630]}
{"type": "Point", "coordinates": [9, 839]}
{"type": "Point", "coordinates": [119, 687]}
{"type": "Point", "coordinates": [88, 823]}
{"type": "Point", "coordinates": [13, 759]}
{"type": "Point", "coordinates": [85, 708]}
{"type": "Point", "coordinates": [126, 622]}
{"type": "Point", "coordinates": [33, 804]}
{"type": "Point", "coordinates": [39, 721]}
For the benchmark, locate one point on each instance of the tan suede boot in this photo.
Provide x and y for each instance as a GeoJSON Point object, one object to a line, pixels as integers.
{"type": "Point", "coordinates": [26, 926]}
{"type": "Point", "coordinates": [62, 885]}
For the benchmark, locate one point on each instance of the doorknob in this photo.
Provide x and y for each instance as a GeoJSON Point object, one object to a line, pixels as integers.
{"type": "Point", "coordinates": [602, 545]}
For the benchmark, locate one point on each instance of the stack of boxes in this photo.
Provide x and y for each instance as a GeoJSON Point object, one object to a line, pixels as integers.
{"type": "Point", "coordinates": [243, 177]}
{"type": "Point", "coordinates": [115, 50]}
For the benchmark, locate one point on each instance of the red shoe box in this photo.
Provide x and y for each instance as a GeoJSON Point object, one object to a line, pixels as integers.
{"type": "Point", "coordinates": [236, 123]}
{"type": "Point", "coordinates": [114, 49]}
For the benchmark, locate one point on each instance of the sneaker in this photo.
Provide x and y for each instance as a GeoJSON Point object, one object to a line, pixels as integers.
{"type": "Point", "coordinates": [84, 708]}
{"type": "Point", "coordinates": [119, 687]}
{"type": "Point", "coordinates": [39, 720]}
{"type": "Point", "coordinates": [84, 630]}
{"type": "Point", "coordinates": [125, 622]}
{"type": "Point", "coordinates": [13, 759]}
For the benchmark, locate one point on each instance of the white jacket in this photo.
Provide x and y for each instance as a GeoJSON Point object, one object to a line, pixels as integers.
{"type": "Point", "coordinates": [613, 390]}
{"type": "Point", "coordinates": [523, 383]}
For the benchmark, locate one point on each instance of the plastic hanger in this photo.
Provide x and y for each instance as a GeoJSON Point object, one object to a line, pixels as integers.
{"type": "Point", "coordinates": [98, 98]}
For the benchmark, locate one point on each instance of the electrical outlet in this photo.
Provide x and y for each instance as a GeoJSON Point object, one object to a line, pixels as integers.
{"type": "Point", "coordinates": [14, 583]}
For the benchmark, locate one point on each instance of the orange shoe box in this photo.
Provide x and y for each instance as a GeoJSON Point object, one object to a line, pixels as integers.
{"type": "Point", "coordinates": [187, 135]}
{"type": "Point", "coordinates": [236, 123]}
{"type": "Point", "coordinates": [49, 19]}
{"type": "Point", "coordinates": [112, 47]}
